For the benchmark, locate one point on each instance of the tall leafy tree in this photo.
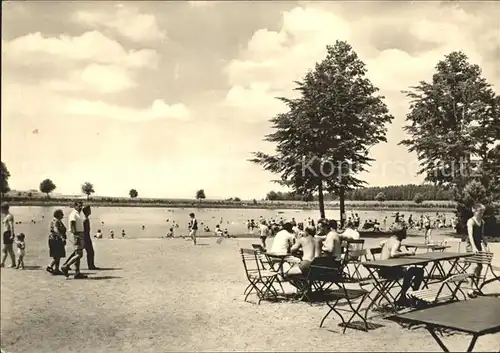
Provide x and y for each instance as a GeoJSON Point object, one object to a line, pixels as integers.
{"type": "Point", "coordinates": [455, 119]}
{"type": "Point", "coordinates": [88, 189]}
{"type": "Point", "coordinates": [323, 140]}
{"type": "Point", "coordinates": [4, 175]}
{"type": "Point", "coordinates": [47, 186]}
{"type": "Point", "coordinates": [133, 193]}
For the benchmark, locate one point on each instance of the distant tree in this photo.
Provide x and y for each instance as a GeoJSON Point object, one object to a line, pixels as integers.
{"type": "Point", "coordinates": [308, 198]}
{"type": "Point", "coordinates": [323, 140]}
{"type": "Point", "coordinates": [200, 195]}
{"type": "Point", "coordinates": [88, 189]}
{"type": "Point", "coordinates": [380, 197]}
{"type": "Point", "coordinates": [418, 198]}
{"type": "Point", "coordinates": [4, 175]}
{"type": "Point", "coordinates": [272, 196]}
{"type": "Point", "coordinates": [133, 193]}
{"type": "Point", "coordinates": [30, 194]}
{"type": "Point", "coordinates": [47, 186]}
{"type": "Point", "coordinates": [254, 201]}
{"type": "Point", "coordinates": [237, 199]}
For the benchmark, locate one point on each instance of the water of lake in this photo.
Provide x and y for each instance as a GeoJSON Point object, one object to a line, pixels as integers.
{"type": "Point", "coordinates": [158, 220]}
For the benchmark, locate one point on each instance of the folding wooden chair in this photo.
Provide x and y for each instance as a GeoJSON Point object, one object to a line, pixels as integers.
{"type": "Point", "coordinates": [375, 253]}
{"type": "Point", "coordinates": [485, 259]}
{"type": "Point", "coordinates": [260, 280]}
{"type": "Point", "coordinates": [432, 296]}
{"type": "Point", "coordinates": [355, 244]}
{"type": "Point", "coordinates": [327, 271]}
{"type": "Point", "coordinates": [355, 258]}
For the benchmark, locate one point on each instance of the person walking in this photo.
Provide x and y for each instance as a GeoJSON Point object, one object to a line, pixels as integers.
{"type": "Point", "coordinates": [193, 227]}
{"type": "Point", "coordinates": [57, 242]}
{"type": "Point", "coordinates": [87, 239]}
{"type": "Point", "coordinates": [76, 229]}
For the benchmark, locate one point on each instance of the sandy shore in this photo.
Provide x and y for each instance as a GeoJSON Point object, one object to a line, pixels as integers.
{"type": "Point", "coordinates": [158, 295]}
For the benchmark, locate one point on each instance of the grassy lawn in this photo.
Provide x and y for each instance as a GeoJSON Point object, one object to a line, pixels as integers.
{"type": "Point", "coordinates": [161, 295]}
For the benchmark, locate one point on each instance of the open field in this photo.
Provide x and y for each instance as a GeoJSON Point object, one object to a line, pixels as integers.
{"type": "Point", "coordinates": [158, 295]}
{"type": "Point", "coordinates": [37, 199]}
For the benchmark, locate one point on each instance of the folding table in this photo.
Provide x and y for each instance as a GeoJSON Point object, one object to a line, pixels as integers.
{"type": "Point", "coordinates": [436, 258]}
{"type": "Point", "coordinates": [384, 285]}
{"type": "Point", "coordinates": [476, 317]}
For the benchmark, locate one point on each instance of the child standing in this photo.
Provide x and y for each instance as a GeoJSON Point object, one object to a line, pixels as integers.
{"type": "Point", "coordinates": [21, 250]}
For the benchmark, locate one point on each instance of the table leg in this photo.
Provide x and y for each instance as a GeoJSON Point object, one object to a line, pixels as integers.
{"type": "Point", "coordinates": [472, 343]}
{"type": "Point", "coordinates": [383, 292]}
{"type": "Point", "coordinates": [437, 338]}
{"type": "Point", "coordinates": [430, 273]}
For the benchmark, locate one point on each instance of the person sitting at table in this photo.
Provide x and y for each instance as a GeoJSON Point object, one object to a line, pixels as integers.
{"type": "Point", "coordinates": [476, 241]}
{"type": "Point", "coordinates": [332, 243]}
{"type": "Point", "coordinates": [308, 245]}
{"type": "Point", "coordinates": [350, 232]}
{"type": "Point", "coordinates": [283, 240]}
{"type": "Point", "coordinates": [413, 276]}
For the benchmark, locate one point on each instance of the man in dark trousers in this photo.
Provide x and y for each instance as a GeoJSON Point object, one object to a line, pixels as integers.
{"type": "Point", "coordinates": [87, 240]}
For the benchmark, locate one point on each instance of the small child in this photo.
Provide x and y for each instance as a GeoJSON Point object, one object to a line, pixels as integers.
{"type": "Point", "coordinates": [170, 233]}
{"type": "Point", "coordinates": [21, 250]}
{"type": "Point", "coordinates": [123, 233]}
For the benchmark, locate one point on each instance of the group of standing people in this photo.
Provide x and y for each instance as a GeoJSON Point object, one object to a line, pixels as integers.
{"type": "Point", "coordinates": [80, 238]}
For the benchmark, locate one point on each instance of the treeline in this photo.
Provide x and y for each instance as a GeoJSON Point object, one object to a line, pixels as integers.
{"type": "Point", "coordinates": [392, 193]}
{"type": "Point", "coordinates": [401, 193]}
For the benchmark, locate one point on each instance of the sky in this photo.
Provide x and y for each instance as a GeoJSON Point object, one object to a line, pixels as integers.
{"type": "Point", "coordinates": [171, 97]}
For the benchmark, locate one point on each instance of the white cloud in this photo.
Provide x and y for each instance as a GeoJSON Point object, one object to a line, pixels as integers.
{"type": "Point", "coordinates": [158, 110]}
{"type": "Point", "coordinates": [202, 4]}
{"type": "Point", "coordinates": [96, 78]}
{"type": "Point", "coordinates": [254, 100]}
{"type": "Point", "coordinates": [277, 58]}
{"type": "Point", "coordinates": [272, 60]}
{"type": "Point", "coordinates": [91, 46]}
{"type": "Point", "coordinates": [126, 20]}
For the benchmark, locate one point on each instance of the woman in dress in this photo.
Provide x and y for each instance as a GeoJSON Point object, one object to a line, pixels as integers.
{"type": "Point", "coordinates": [476, 241]}
{"type": "Point", "coordinates": [57, 242]}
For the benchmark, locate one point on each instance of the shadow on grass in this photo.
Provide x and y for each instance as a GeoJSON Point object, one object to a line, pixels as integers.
{"type": "Point", "coordinates": [108, 269]}
{"type": "Point", "coordinates": [31, 268]}
{"type": "Point", "coordinates": [99, 278]}
{"type": "Point", "coordinates": [202, 244]}
{"type": "Point", "coordinates": [360, 325]}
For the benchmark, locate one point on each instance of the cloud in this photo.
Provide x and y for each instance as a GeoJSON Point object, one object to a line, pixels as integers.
{"type": "Point", "coordinates": [126, 20]}
{"type": "Point", "coordinates": [91, 46]}
{"type": "Point", "coordinates": [396, 57]}
{"type": "Point", "coordinates": [253, 100]}
{"type": "Point", "coordinates": [202, 4]}
{"type": "Point", "coordinates": [158, 110]}
{"type": "Point", "coordinates": [95, 78]}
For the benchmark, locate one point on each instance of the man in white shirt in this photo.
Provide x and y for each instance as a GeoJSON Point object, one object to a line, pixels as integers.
{"type": "Point", "coordinates": [350, 232]}
{"type": "Point", "coordinates": [76, 230]}
{"type": "Point", "coordinates": [283, 240]}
